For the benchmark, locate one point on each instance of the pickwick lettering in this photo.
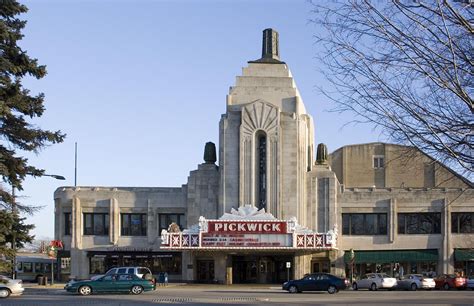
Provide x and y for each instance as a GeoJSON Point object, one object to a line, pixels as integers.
{"type": "Point", "coordinates": [248, 227]}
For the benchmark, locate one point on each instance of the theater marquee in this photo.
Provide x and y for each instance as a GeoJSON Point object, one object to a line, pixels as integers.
{"type": "Point", "coordinates": [247, 228]}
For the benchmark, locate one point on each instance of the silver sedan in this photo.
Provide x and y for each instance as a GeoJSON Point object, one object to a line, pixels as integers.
{"type": "Point", "coordinates": [10, 286]}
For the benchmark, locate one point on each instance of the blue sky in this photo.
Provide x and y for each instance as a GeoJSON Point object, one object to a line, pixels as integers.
{"type": "Point", "coordinates": [141, 85]}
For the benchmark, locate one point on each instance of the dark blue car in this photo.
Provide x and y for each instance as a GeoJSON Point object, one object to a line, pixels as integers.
{"type": "Point", "coordinates": [316, 282]}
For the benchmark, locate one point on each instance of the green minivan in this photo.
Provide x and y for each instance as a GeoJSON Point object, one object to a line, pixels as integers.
{"type": "Point", "coordinates": [112, 283]}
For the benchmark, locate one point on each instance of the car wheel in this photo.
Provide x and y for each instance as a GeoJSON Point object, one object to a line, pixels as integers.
{"type": "Point", "coordinates": [136, 289]}
{"type": "Point", "coordinates": [354, 286]}
{"type": "Point", "coordinates": [4, 293]}
{"type": "Point", "coordinates": [85, 290]}
{"type": "Point", "coordinates": [446, 286]}
{"type": "Point", "coordinates": [293, 289]}
{"type": "Point", "coordinates": [332, 289]}
{"type": "Point", "coordinates": [413, 287]}
{"type": "Point", "coordinates": [373, 287]}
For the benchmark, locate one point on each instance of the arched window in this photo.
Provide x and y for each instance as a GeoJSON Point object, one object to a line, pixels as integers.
{"type": "Point", "coordinates": [261, 170]}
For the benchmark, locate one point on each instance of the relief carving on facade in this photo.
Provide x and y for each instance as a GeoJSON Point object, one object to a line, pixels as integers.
{"type": "Point", "coordinates": [264, 118]}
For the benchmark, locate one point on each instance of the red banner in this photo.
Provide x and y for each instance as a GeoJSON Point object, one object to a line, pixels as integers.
{"type": "Point", "coordinates": [246, 227]}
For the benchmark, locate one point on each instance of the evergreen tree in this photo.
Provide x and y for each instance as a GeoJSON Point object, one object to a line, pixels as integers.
{"type": "Point", "coordinates": [11, 224]}
{"type": "Point", "coordinates": [18, 107]}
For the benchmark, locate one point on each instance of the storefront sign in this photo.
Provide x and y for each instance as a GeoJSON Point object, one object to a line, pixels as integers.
{"type": "Point", "coordinates": [252, 227]}
{"type": "Point", "coordinates": [129, 249]}
{"type": "Point", "coordinates": [248, 240]}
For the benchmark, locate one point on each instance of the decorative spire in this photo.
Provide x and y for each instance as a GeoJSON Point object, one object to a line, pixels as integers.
{"type": "Point", "coordinates": [270, 48]}
{"type": "Point", "coordinates": [270, 44]}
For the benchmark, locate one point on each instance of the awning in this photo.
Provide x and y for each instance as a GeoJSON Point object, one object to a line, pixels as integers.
{"type": "Point", "coordinates": [64, 253]}
{"type": "Point", "coordinates": [392, 256]}
{"type": "Point", "coordinates": [464, 254]}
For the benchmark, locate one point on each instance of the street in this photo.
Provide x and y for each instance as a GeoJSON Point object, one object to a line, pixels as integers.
{"type": "Point", "coordinates": [240, 295]}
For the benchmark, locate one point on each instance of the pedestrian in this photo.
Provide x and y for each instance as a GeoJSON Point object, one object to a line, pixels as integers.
{"type": "Point", "coordinates": [161, 279]}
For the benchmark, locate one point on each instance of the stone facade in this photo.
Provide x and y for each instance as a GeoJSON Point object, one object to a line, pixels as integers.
{"type": "Point", "coordinates": [266, 159]}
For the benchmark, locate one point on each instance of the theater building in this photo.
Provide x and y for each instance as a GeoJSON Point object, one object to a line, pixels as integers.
{"type": "Point", "coordinates": [273, 206]}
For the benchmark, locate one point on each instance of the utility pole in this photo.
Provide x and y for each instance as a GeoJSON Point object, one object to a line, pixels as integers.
{"type": "Point", "coordinates": [14, 212]}
{"type": "Point", "coordinates": [75, 164]}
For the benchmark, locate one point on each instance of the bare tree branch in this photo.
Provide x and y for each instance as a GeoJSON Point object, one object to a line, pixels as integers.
{"type": "Point", "coordinates": [406, 67]}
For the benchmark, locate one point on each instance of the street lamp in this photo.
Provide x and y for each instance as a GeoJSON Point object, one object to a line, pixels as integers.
{"type": "Point", "coordinates": [58, 177]}
{"type": "Point", "coordinates": [55, 176]}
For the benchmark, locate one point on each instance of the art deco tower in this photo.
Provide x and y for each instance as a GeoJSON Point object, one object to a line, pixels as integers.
{"type": "Point", "coordinates": [266, 138]}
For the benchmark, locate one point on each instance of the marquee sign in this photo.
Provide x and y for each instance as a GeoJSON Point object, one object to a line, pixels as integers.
{"type": "Point", "coordinates": [253, 227]}
{"type": "Point", "coordinates": [247, 228]}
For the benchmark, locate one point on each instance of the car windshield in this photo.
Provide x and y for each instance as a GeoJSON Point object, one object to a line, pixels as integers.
{"type": "Point", "coordinates": [384, 275]}
{"type": "Point", "coordinates": [111, 271]}
{"type": "Point", "coordinates": [4, 279]}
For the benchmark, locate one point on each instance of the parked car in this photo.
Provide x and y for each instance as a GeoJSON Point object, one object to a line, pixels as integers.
{"type": "Point", "coordinates": [448, 281]}
{"type": "Point", "coordinates": [416, 281]}
{"type": "Point", "coordinates": [112, 283]}
{"type": "Point", "coordinates": [374, 281]}
{"type": "Point", "coordinates": [138, 271]}
{"type": "Point", "coordinates": [470, 282]}
{"type": "Point", "coordinates": [316, 282]}
{"type": "Point", "coordinates": [10, 286]}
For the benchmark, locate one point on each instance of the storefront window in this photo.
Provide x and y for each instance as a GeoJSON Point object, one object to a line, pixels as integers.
{"type": "Point", "coordinates": [97, 264]}
{"type": "Point", "coordinates": [133, 224]}
{"type": "Point", "coordinates": [460, 268]}
{"type": "Point", "coordinates": [364, 224]}
{"type": "Point", "coordinates": [419, 223]}
{"type": "Point", "coordinates": [167, 263]}
{"type": "Point", "coordinates": [170, 263]}
{"type": "Point", "coordinates": [462, 222]}
{"type": "Point", "coordinates": [65, 265]}
{"type": "Point", "coordinates": [394, 269]}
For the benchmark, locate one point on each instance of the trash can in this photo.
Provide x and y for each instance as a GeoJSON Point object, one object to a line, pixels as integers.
{"type": "Point", "coordinates": [40, 280]}
{"type": "Point", "coordinates": [45, 280]}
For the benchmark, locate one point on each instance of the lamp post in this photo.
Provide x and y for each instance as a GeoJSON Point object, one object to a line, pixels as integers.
{"type": "Point", "coordinates": [14, 211]}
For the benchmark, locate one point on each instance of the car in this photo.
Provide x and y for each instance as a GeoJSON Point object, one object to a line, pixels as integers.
{"type": "Point", "coordinates": [316, 282]}
{"type": "Point", "coordinates": [112, 283]}
{"type": "Point", "coordinates": [448, 281]}
{"type": "Point", "coordinates": [375, 281]}
{"type": "Point", "coordinates": [10, 286]}
{"type": "Point", "coordinates": [415, 281]}
{"type": "Point", "coordinates": [470, 282]}
{"type": "Point", "coordinates": [138, 271]}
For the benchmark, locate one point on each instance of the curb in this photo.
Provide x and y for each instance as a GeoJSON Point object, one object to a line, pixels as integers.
{"type": "Point", "coordinates": [48, 291]}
